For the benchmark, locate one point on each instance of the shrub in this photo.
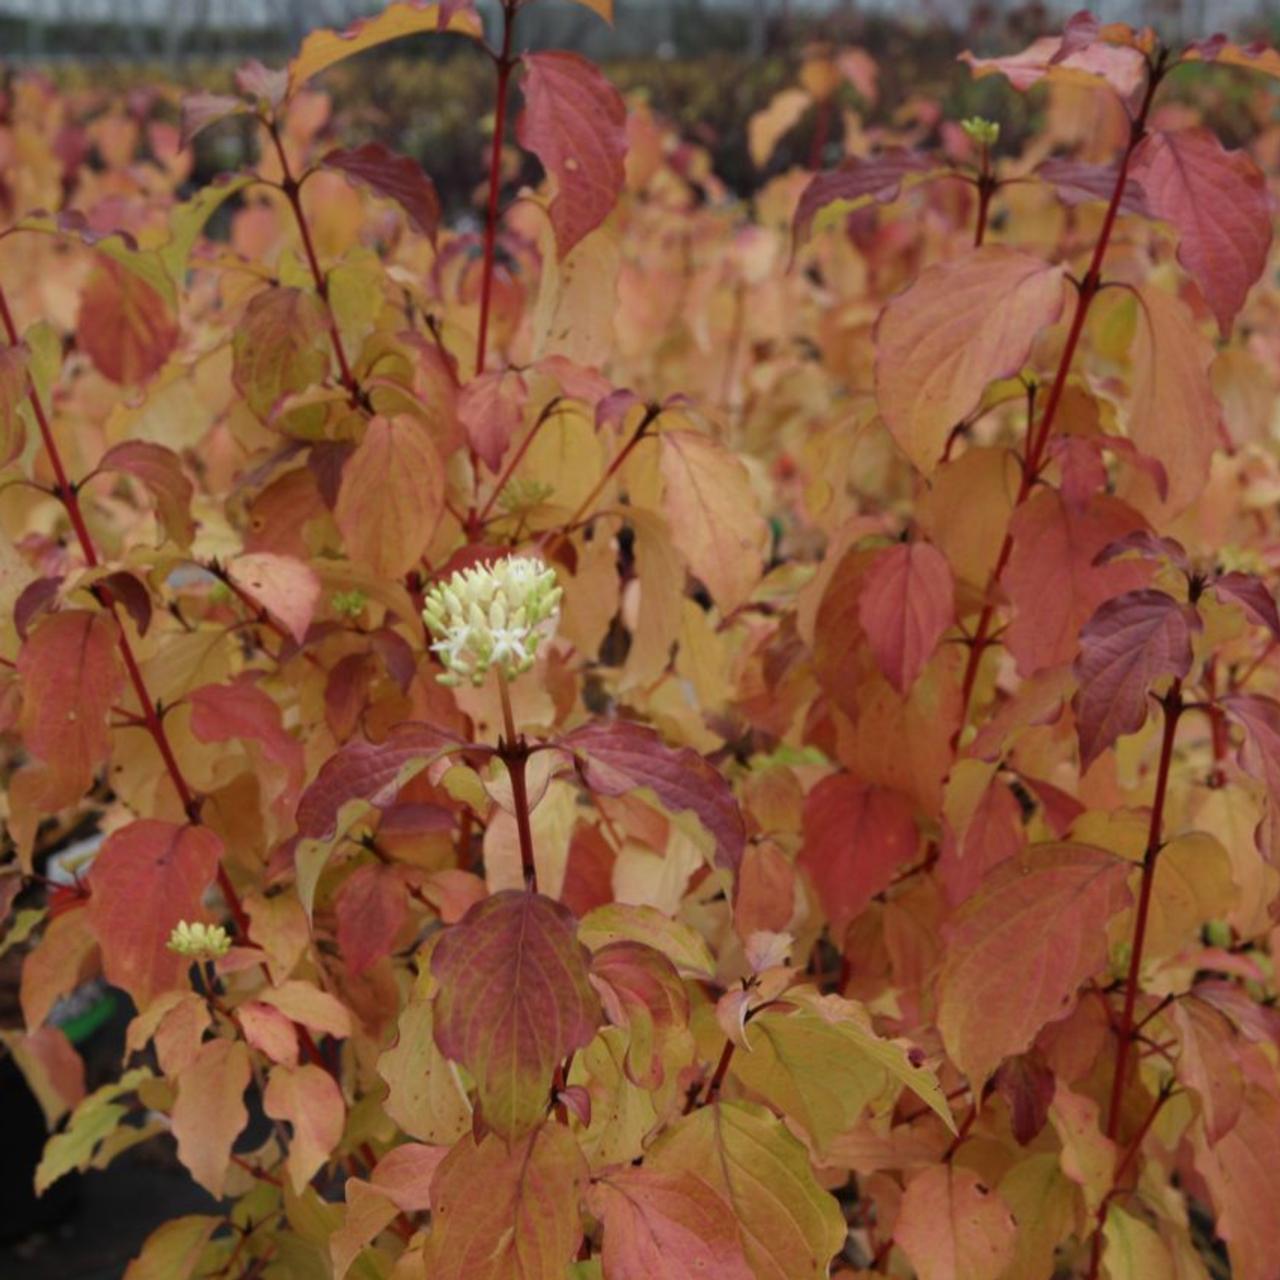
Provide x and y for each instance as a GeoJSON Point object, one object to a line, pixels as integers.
{"type": "Point", "coordinates": [657, 737]}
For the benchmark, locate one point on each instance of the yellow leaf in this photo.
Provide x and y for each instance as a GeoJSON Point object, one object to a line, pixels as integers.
{"type": "Point", "coordinates": [321, 49]}
{"type": "Point", "coordinates": [708, 499]}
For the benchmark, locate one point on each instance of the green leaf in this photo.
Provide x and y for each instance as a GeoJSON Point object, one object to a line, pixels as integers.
{"type": "Point", "coordinates": [791, 1228]}
{"type": "Point", "coordinates": [822, 1065]}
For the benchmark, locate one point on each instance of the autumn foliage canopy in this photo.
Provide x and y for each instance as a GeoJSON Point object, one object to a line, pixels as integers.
{"type": "Point", "coordinates": [846, 837]}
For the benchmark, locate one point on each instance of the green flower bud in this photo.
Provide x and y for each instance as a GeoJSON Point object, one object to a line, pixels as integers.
{"type": "Point", "coordinates": [199, 941]}
{"type": "Point", "coordinates": [986, 133]}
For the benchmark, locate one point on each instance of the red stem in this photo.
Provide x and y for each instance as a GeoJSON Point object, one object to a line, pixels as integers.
{"type": "Point", "coordinates": [504, 63]}
{"type": "Point", "coordinates": [70, 500]}
{"type": "Point", "coordinates": [514, 753]}
{"type": "Point", "coordinates": [1126, 1031]}
{"type": "Point", "coordinates": [722, 1070]}
{"type": "Point", "coordinates": [503, 480]}
{"type": "Point", "coordinates": [821, 132]}
{"type": "Point", "coordinates": [1038, 439]}
{"type": "Point", "coordinates": [987, 187]}
{"type": "Point", "coordinates": [1095, 1244]}
{"type": "Point", "coordinates": [293, 193]}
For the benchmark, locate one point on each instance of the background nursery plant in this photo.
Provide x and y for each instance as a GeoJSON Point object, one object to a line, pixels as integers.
{"type": "Point", "coordinates": [656, 737]}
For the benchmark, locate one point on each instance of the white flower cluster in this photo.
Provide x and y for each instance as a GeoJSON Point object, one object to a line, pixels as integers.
{"type": "Point", "coordinates": [492, 616]}
{"type": "Point", "coordinates": [199, 941]}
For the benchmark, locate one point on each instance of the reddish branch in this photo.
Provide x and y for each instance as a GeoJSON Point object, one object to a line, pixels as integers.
{"type": "Point", "coordinates": [150, 716]}
{"type": "Point", "coordinates": [1127, 1031]}
{"type": "Point", "coordinates": [504, 63]}
{"type": "Point", "coordinates": [1038, 437]}
{"type": "Point", "coordinates": [292, 189]}
{"type": "Point", "coordinates": [513, 751]}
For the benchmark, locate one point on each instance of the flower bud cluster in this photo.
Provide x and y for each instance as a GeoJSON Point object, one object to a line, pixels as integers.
{"type": "Point", "coordinates": [986, 133]}
{"type": "Point", "coordinates": [492, 617]}
{"type": "Point", "coordinates": [199, 941]}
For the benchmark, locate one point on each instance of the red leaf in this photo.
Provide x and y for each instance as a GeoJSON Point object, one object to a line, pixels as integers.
{"type": "Point", "coordinates": [200, 110]}
{"type": "Point", "coordinates": [372, 906]}
{"type": "Point", "coordinates": [129, 591]}
{"type": "Point", "coordinates": [514, 1001]}
{"type": "Point", "coordinates": [642, 991]}
{"type": "Point", "coordinates": [124, 326]}
{"type": "Point", "coordinates": [1147, 546]}
{"type": "Point", "coordinates": [574, 121]}
{"type": "Point", "coordinates": [374, 772]}
{"type": "Point", "coordinates": [1066, 60]}
{"type": "Point", "coordinates": [491, 409]}
{"type": "Point", "coordinates": [288, 589]}
{"type": "Point", "coordinates": [858, 181]}
{"type": "Point", "coordinates": [396, 178]}
{"type": "Point", "coordinates": [160, 470]}
{"type": "Point", "coordinates": [1027, 1086]}
{"type": "Point", "coordinates": [1079, 33]}
{"type": "Point", "coordinates": [1253, 596]}
{"type": "Point", "coordinates": [1260, 757]}
{"type": "Point", "coordinates": [856, 838]}
{"type": "Point", "coordinates": [1056, 543]}
{"type": "Point", "coordinates": [1018, 950]}
{"type": "Point", "coordinates": [906, 603]}
{"type": "Point", "coordinates": [69, 674]}
{"type": "Point", "coordinates": [1129, 642]}
{"type": "Point", "coordinates": [1217, 199]}
{"type": "Point", "coordinates": [242, 710]}
{"type": "Point", "coordinates": [146, 878]}
{"type": "Point", "coordinates": [617, 756]}
{"type": "Point", "coordinates": [1077, 183]}
{"type": "Point", "coordinates": [661, 1225]}
{"type": "Point", "coordinates": [37, 599]}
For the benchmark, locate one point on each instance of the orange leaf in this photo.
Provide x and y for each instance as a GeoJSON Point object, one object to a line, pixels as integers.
{"type": "Point", "coordinates": [507, 1213]}
{"type": "Point", "coordinates": [514, 1001]}
{"type": "Point", "coordinates": [1174, 415]}
{"type": "Point", "coordinates": [310, 1100]}
{"type": "Point", "coordinates": [209, 1112]}
{"type": "Point", "coordinates": [1242, 1170]}
{"type": "Point", "coordinates": [146, 878]}
{"type": "Point", "coordinates": [961, 325]}
{"type": "Point", "coordinates": [707, 498]}
{"type": "Point", "coordinates": [392, 496]}
{"type": "Point", "coordinates": [160, 470]}
{"type": "Point", "coordinates": [13, 394]}
{"type": "Point", "coordinates": [286, 588]}
{"type": "Point", "coordinates": [125, 325]}
{"type": "Point", "coordinates": [952, 1227]}
{"type": "Point", "coordinates": [70, 675]}
{"type": "Point", "coordinates": [1019, 949]}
